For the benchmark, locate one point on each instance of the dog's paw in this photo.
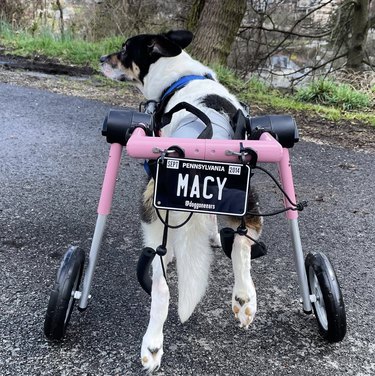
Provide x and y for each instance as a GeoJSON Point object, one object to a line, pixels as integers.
{"type": "Point", "coordinates": [151, 354]}
{"type": "Point", "coordinates": [244, 307]}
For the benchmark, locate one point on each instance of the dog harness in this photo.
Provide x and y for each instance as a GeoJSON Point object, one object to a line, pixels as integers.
{"type": "Point", "coordinates": [195, 123]}
{"type": "Point", "coordinates": [182, 82]}
{"type": "Point", "coordinates": [162, 119]}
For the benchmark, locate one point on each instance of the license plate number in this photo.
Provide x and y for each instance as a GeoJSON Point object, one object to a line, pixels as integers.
{"type": "Point", "coordinates": [201, 186]}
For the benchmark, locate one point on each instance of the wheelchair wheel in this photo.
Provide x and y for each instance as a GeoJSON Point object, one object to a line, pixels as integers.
{"type": "Point", "coordinates": [329, 306]}
{"type": "Point", "coordinates": [62, 299]}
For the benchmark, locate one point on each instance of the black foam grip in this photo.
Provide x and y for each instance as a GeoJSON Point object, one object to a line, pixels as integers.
{"type": "Point", "coordinates": [227, 238]}
{"type": "Point", "coordinates": [143, 269]}
{"type": "Point", "coordinates": [258, 249]}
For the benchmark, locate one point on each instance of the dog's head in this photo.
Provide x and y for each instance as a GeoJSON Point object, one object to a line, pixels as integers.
{"type": "Point", "coordinates": [133, 61]}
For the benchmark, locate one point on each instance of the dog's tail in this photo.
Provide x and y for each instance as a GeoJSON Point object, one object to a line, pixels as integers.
{"type": "Point", "coordinates": [193, 257]}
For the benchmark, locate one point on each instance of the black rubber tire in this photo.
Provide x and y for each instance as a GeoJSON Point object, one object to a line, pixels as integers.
{"type": "Point", "coordinates": [329, 308]}
{"type": "Point", "coordinates": [61, 300]}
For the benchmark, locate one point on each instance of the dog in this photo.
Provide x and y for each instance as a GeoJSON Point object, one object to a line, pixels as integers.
{"type": "Point", "coordinates": [154, 63]}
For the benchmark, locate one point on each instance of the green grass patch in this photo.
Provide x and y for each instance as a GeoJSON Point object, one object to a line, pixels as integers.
{"type": "Point", "coordinates": [66, 50]}
{"type": "Point", "coordinates": [344, 102]}
{"type": "Point", "coordinates": [238, 86]}
{"type": "Point", "coordinates": [287, 103]}
{"type": "Point", "coordinates": [329, 93]}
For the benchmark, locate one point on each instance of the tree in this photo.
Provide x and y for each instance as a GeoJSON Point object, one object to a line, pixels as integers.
{"type": "Point", "coordinates": [61, 12]}
{"type": "Point", "coordinates": [11, 11]}
{"type": "Point", "coordinates": [332, 35]}
{"type": "Point", "coordinates": [357, 32]}
{"type": "Point", "coordinates": [215, 23]}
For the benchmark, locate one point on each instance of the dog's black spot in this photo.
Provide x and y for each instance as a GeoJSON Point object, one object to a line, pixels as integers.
{"type": "Point", "coordinates": [241, 301]}
{"type": "Point", "coordinates": [148, 214]}
{"type": "Point", "coordinates": [154, 350]}
{"type": "Point", "coordinates": [219, 104]}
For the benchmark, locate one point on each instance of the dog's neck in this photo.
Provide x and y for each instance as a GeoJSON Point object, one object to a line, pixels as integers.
{"type": "Point", "coordinates": [167, 70]}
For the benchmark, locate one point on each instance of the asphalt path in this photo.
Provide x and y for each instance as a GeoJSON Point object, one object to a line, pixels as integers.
{"type": "Point", "coordinates": [52, 160]}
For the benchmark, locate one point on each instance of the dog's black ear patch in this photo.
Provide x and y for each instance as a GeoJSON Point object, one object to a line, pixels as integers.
{"type": "Point", "coordinates": [181, 37]}
{"type": "Point", "coordinates": [164, 47]}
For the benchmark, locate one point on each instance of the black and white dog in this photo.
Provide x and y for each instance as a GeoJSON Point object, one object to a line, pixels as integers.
{"type": "Point", "coordinates": [156, 64]}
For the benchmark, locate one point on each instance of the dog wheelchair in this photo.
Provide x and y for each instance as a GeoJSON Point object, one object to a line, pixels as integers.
{"type": "Point", "coordinates": [195, 170]}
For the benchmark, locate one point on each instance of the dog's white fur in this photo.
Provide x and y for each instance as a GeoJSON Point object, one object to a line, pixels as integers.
{"type": "Point", "coordinates": [190, 245]}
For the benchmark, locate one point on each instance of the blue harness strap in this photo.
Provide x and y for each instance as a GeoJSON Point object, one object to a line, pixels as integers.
{"type": "Point", "coordinates": [183, 81]}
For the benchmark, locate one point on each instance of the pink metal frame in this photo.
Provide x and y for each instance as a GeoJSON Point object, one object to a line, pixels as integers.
{"type": "Point", "coordinates": [141, 146]}
{"type": "Point", "coordinates": [144, 147]}
{"type": "Point", "coordinates": [109, 182]}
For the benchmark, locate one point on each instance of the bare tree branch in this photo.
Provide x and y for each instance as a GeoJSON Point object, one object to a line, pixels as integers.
{"type": "Point", "coordinates": [287, 32]}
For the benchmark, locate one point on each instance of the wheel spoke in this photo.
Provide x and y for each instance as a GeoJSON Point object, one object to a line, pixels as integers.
{"type": "Point", "coordinates": [71, 300]}
{"type": "Point", "coordinates": [319, 304]}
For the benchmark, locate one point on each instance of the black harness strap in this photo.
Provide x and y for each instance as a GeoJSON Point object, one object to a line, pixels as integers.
{"type": "Point", "coordinates": [168, 94]}
{"type": "Point", "coordinates": [167, 117]}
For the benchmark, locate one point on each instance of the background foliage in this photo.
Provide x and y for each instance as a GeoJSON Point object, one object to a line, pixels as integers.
{"type": "Point", "coordinates": [80, 31]}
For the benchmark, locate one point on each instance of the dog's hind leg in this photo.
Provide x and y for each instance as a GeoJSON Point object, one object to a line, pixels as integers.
{"type": "Point", "coordinates": [244, 300]}
{"type": "Point", "coordinates": [152, 344]}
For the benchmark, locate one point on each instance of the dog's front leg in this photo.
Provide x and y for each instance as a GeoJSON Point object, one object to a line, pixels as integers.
{"type": "Point", "coordinates": [244, 300]}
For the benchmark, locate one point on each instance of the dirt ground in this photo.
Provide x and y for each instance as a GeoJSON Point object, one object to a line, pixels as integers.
{"type": "Point", "coordinates": [47, 74]}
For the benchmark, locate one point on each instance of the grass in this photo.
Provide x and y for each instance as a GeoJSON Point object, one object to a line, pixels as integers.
{"type": "Point", "coordinates": [330, 93]}
{"type": "Point", "coordinates": [325, 98]}
{"type": "Point", "coordinates": [340, 101]}
{"type": "Point", "coordinates": [68, 50]}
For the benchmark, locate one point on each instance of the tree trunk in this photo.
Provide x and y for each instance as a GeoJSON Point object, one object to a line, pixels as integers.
{"type": "Point", "coordinates": [217, 27]}
{"type": "Point", "coordinates": [357, 43]}
{"type": "Point", "coordinates": [62, 27]}
{"type": "Point", "coordinates": [193, 17]}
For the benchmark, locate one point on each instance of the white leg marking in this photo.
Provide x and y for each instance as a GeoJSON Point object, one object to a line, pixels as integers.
{"type": "Point", "coordinates": [244, 301]}
{"type": "Point", "coordinates": [152, 344]}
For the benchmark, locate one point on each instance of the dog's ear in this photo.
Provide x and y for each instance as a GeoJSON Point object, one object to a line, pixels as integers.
{"type": "Point", "coordinates": [181, 37]}
{"type": "Point", "coordinates": [164, 47]}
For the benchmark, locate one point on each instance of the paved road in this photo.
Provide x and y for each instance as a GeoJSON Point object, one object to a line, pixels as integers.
{"type": "Point", "coordinates": [52, 159]}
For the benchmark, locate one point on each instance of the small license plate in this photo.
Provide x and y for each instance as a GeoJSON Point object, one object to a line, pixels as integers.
{"type": "Point", "coordinates": [202, 186]}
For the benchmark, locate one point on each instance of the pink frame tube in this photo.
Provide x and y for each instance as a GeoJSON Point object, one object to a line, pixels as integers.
{"type": "Point", "coordinates": [140, 146]}
{"type": "Point", "coordinates": [286, 178]}
{"type": "Point", "coordinates": [267, 148]}
{"type": "Point", "coordinates": [109, 182]}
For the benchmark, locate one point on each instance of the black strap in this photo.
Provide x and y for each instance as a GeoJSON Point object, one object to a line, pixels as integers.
{"type": "Point", "coordinates": [240, 124]}
{"type": "Point", "coordinates": [167, 117]}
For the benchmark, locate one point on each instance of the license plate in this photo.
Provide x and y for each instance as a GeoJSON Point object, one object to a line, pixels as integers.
{"type": "Point", "coordinates": [201, 186]}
